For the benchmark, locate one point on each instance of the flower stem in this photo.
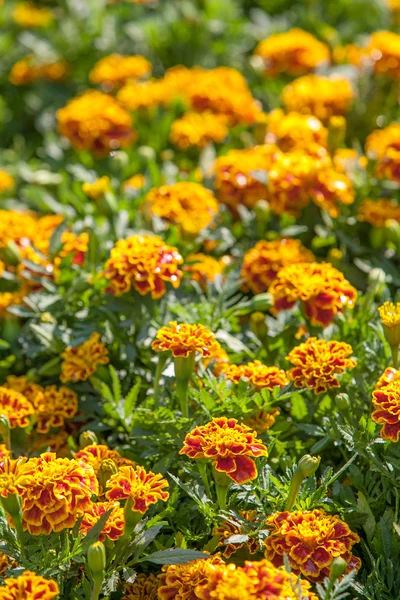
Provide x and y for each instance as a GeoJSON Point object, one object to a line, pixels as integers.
{"type": "Point", "coordinates": [203, 472]}
{"type": "Point", "coordinates": [222, 494]}
{"type": "Point", "coordinates": [182, 388]}
{"type": "Point", "coordinates": [162, 357]}
{"type": "Point", "coordinates": [395, 356]}
{"type": "Point", "coordinates": [20, 533]}
{"type": "Point", "coordinates": [96, 591]}
{"type": "Point", "coordinates": [294, 489]}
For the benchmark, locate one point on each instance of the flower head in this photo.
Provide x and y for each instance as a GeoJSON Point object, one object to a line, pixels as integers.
{"type": "Point", "coordinates": [330, 189]}
{"type": "Point", "coordinates": [383, 145]}
{"type": "Point", "coordinates": [378, 212]}
{"type": "Point", "coordinates": [262, 420]}
{"type": "Point", "coordinates": [6, 182]}
{"type": "Point", "coordinates": [386, 402]}
{"type": "Point", "coordinates": [262, 263]}
{"type": "Point", "coordinates": [294, 52]}
{"type": "Point", "coordinates": [145, 263]}
{"type": "Point", "coordinates": [136, 182]}
{"type": "Point", "coordinates": [180, 582]}
{"type": "Point", "coordinates": [390, 318]}
{"type": "Point", "coordinates": [98, 188]}
{"type": "Point", "coordinates": [198, 130]}
{"type": "Point", "coordinates": [80, 362]}
{"type": "Point", "coordinates": [311, 540]}
{"type": "Point", "coordinates": [28, 69]}
{"type": "Point", "coordinates": [16, 407]}
{"type": "Point", "coordinates": [229, 445]}
{"type": "Point", "coordinates": [317, 364]}
{"type": "Point", "coordinates": [182, 339]}
{"type": "Point", "coordinates": [295, 131]}
{"type": "Point", "coordinates": [228, 529]}
{"type": "Point", "coordinates": [114, 526]}
{"type": "Point", "coordinates": [321, 288]}
{"type": "Point", "coordinates": [115, 70]}
{"type": "Point", "coordinates": [289, 181]}
{"type": "Point", "coordinates": [95, 454]}
{"type": "Point", "coordinates": [29, 16]}
{"type": "Point", "coordinates": [29, 586]}
{"type": "Point", "coordinates": [96, 122]}
{"type": "Point", "coordinates": [141, 487]}
{"type": "Point", "coordinates": [257, 374]}
{"type": "Point", "coordinates": [388, 376]}
{"type": "Point", "coordinates": [383, 51]}
{"type": "Point", "coordinates": [203, 268]}
{"type": "Point", "coordinates": [145, 587]}
{"type": "Point", "coordinates": [10, 471]}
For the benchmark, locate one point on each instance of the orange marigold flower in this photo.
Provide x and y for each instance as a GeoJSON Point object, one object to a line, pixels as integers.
{"type": "Point", "coordinates": [289, 181]}
{"type": "Point", "coordinates": [383, 50]}
{"type": "Point", "coordinates": [312, 540]}
{"type": "Point", "coordinates": [10, 472]}
{"type": "Point", "coordinates": [75, 245]}
{"type": "Point", "coordinates": [28, 69]}
{"type": "Point", "coordinates": [321, 288]}
{"type": "Point", "coordinates": [317, 364]}
{"type": "Point", "coordinates": [389, 375]}
{"type": "Point", "coordinates": [198, 129]}
{"type": "Point", "coordinates": [262, 263]}
{"type": "Point", "coordinates": [145, 263]}
{"type": "Point", "coordinates": [15, 407]}
{"type": "Point", "coordinates": [80, 362]}
{"type": "Point", "coordinates": [6, 182]}
{"type": "Point", "coordinates": [262, 420]}
{"type": "Point", "coordinates": [378, 212]}
{"type": "Point", "coordinates": [259, 375]}
{"type": "Point", "coordinates": [54, 492]}
{"type": "Point", "coordinates": [322, 97]}
{"type": "Point", "coordinates": [180, 582]}
{"type": "Point", "coordinates": [95, 454]}
{"type": "Point", "coordinates": [6, 562]}
{"type": "Point", "coordinates": [386, 401]}
{"type": "Point", "coordinates": [138, 95]}
{"type": "Point", "coordinates": [145, 587]}
{"type": "Point", "coordinates": [189, 205]}
{"type": "Point", "coordinates": [204, 268]}
{"type": "Point", "coordinates": [136, 182]}
{"type": "Point", "coordinates": [182, 339]}
{"type": "Point", "coordinates": [141, 487]}
{"type": "Point", "coordinates": [228, 529]}
{"type": "Point", "coordinates": [98, 188]}
{"type": "Point", "coordinates": [229, 445]}
{"type": "Point", "coordinates": [29, 16]}
{"type": "Point", "coordinates": [295, 131]}
{"type": "Point", "coordinates": [4, 451]}
{"type": "Point", "coordinates": [348, 161]}
{"type": "Point", "coordinates": [114, 526]}
{"type": "Point", "coordinates": [350, 54]}
{"type": "Point", "coordinates": [96, 122]}
{"type": "Point", "coordinates": [16, 227]}
{"type": "Point", "coordinates": [330, 189]}
{"type": "Point", "coordinates": [383, 145]}
{"type": "Point", "coordinates": [115, 70]}
{"type": "Point", "coordinates": [29, 586]}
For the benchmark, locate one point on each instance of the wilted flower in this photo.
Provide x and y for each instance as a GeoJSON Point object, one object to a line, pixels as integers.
{"type": "Point", "coordinates": [29, 586]}
{"type": "Point", "coordinates": [383, 145]}
{"type": "Point", "coordinates": [98, 188]}
{"type": "Point", "coordinates": [28, 70]}
{"type": "Point", "coordinates": [378, 212]}
{"type": "Point", "coordinates": [198, 130]}
{"type": "Point", "coordinates": [6, 182]}
{"type": "Point", "coordinates": [386, 401]}
{"type": "Point", "coordinates": [295, 131]}
{"type": "Point", "coordinates": [257, 374]}
{"type": "Point", "coordinates": [145, 587]}
{"type": "Point", "coordinates": [29, 16]}
{"type": "Point", "coordinates": [228, 529]}
{"type": "Point", "coordinates": [182, 339]}
{"type": "Point", "coordinates": [80, 362]}
{"type": "Point", "coordinates": [114, 526]}
{"type": "Point", "coordinates": [141, 487]}
{"type": "Point", "coordinates": [311, 540]}
{"type": "Point", "coordinates": [16, 408]}
{"type": "Point", "coordinates": [114, 70]}
{"type": "Point", "coordinates": [203, 268]}
{"type": "Point", "coordinates": [178, 582]}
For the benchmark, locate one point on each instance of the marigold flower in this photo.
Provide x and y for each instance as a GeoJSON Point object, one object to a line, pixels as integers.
{"type": "Point", "coordinates": [383, 145]}
{"type": "Point", "coordinates": [180, 582]}
{"type": "Point", "coordinates": [27, 15]}
{"type": "Point", "coordinates": [145, 587]}
{"type": "Point", "coordinates": [229, 445]}
{"type": "Point", "coordinates": [15, 407]}
{"type": "Point", "coordinates": [390, 318]}
{"type": "Point", "coordinates": [136, 182]}
{"type": "Point", "coordinates": [198, 129]}
{"type": "Point", "coordinates": [262, 263]}
{"type": "Point", "coordinates": [6, 563]}
{"type": "Point", "coordinates": [114, 526]}
{"type": "Point", "coordinates": [182, 339]}
{"type": "Point", "coordinates": [227, 529]}
{"type": "Point", "coordinates": [80, 362]}
{"type": "Point", "coordinates": [143, 95]}
{"type": "Point", "coordinates": [6, 182]}
{"type": "Point", "coordinates": [189, 205]}
{"type": "Point", "coordinates": [145, 263]}
{"type": "Point", "coordinates": [10, 471]}
{"type": "Point", "coordinates": [98, 188]}
{"type": "Point", "coordinates": [390, 375]}
{"type": "Point", "coordinates": [28, 70]}
{"type": "Point", "coordinates": [257, 374]}
{"type": "Point", "coordinates": [16, 227]}
{"type": "Point", "coordinates": [96, 122]}
{"type": "Point", "coordinates": [141, 487]}
{"type": "Point", "coordinates": [330, 189]}
{"type": "Point", "coordinates": [378, 212]}
{"type": "Point", "coordinates": [295, 131]}
{"type": "Point", "coordinates": [262, 420]}
{"type": "Point", "coordinates": [311, 540]}
{"type": "Point", "coordinates": [289, 181]}
{"type": "Point", "coordinates": [75, 245]}
{"type": "Point", "coordinates": [8, 299]}
{"type": "Point", "coordinates": [317, 364]}
{"type": "Point", "coordinates": [29, 586]}
{"type": "Point", "coordinates": [115, 70]}
{"type": "Point", "coordinates": [95, 454]}
{"type": "Point", "coordinates": [4, 451]}
{"type": "Point", "coordinates": [383, 50]}
{"type": "Point", "coordinates": [321, 288]}
{"type": "Point", "coordinates": [386, 402]}
{"type": "Point", "coordinates": [203, 268]}
{"type": "Point", "coordinates": [322, 97]}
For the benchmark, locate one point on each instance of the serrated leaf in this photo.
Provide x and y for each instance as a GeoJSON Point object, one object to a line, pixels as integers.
{"type": "Point", "coordinates": [94, 533]}
{"type": "Point", "coordinates": [116, 384]}
{"type": "Point", "coordinates": [298, 408]}
{"type": "Point", "coordinates": [145, 538]}
{"type": "Point", "coordinates": [131, 398]}
{"type": "Point", "coordinates": [239, 538]}
{"type": "Point", "coordinates": [174, 556]}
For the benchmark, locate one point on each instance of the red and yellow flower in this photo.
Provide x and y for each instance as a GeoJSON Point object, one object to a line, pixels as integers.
{"type": "Point", "coordinates": [383, 146]}
{"type": "Point", "coordinates": [257, 374]}
{"type": "Point", "coordinates": [203, 268]}
{"type": "Point", "coordinates": [16, 407]}
{"type": "Point", "coordinates": [142, 488]}
{"type": "Point", "coordinates": [197, 130]}
{"type": "Point", "coordinates": [295, 131]}
{"type": "Point", "coordinates": [29, 586]}
{"type": "Point", "coordinates": [145, 587]}
{"type": "Point", "coordinates": [115, 70]}
{"type": "Point", "coordinates": [228, 529]}
{"type": "Point", "coordinates": [180, 582]}
{"type": "Point", "coordinates": [386, 402]}
{"type": "Point", "coordinates": [262, 420]}
{"type": "Point", "coordinates": [289, 182]}
{"type": "Point", "coordinates": [113, 528]}
{"type": "Point", "coordinates": [388, 376]}
{"type": "Point", "coordinates": [378, 212]}
{"type": "Point", "coordinates": [80, 362]}
{"type": "Point", "coordinates": [183, 339]}
{"type": "Point", "coordinates": [330, 189]}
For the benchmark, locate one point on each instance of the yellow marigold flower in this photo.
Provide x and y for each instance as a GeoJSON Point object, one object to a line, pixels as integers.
{"type": "Point", "coordinates": [27, 15]}
{"type": "Point", "coordinates": [114, 526]}
{"type": "Point", "coordinates": [6, 182]}
{"type": "Point", "coordinates": [80, 362]}
{"type": "Point", "coordinates": [262, 420]}
{"type": "Point", "coordinates": [6, 563]}
{"type": "Point", "coordinates": [378, 212]}
{"type": "Point", "coordinates": [145, 587]}
{"type": "Point", "coordinates": [178, 582]}
{"type": "Point", "coordinates": [317, 364]}
{"type": "Point", "coordinates": [294, 52]}
{"type": "Point", "coordinates": [136, 182]}
{"type": "Point", "coordinates": [322, 97]}
{"type": "Point", "coordinates": [295, 131]}
{"type": "Point", "coordinates": [383, 145]}
{"type": "Point", "coordinates": [141, 487]}
{"type": "Point", "coordinates": [289, 181]}
{"type": "Point", "coordinates": [187, 204]}
{"type": "Point", "coordinates": [96, 122]}
{"type": "Point", "coordinates": [182, 339]}
{"type": "Point", "coordinates": [15, 407]}
{"type": "Point", "coordinates": [227, 529]}
{"type": "Point", "coordinates": [311, 540]}
{"type": "Point", "coordinates": [4, 451]}
{"type": "Point", "coordinates": [257, 374]}
{"type": "Point", "coordinates": [10, 471]}
{"type": "Point", "coordinates": [383, 50]}
{"type": "Point", "coordinates": [348, 160]}
{"type": "Point", "coordinates": [143, 94]}
{"type": "Point", "coordinates": [350, 53]}
{"type": "Point", "coordinates": [95, 454]}
{"type": "Point", "coordinates": [321, 288]}
{"type": "Point", "coordinates": [16, 227]}
{"type": "Point", "coordinates": [386, 402]}
{"type": "Point", "coordinates": [98, 188]}
{"type": "Point", "coordinates": [115, 70]}
{"type": "Point", "coordinates": [44, 509]}
{"type": "Point", "coordinates": [198, 129]}
{"type": "Point", "coordinates": [394, 6]}
{"type": "Point", "coordinates": [145, 263]}
{"type": "Point", "coordinates": [29, 586]}
{"type": "Point", "coordinates": [203, 268]}
{"type": "Point", "coordinates": [28, 70]}
{"type": "Point", "coordinates": [389, 375]}
{"type": "Point", "coordinates": [229, 445]}
{"type": "Point", "coordinates": [330, 189]}
{"type": "Point", "coordinates": [73, 244]}
{"type": "Point", "coordinates": [262, 263]}
{"type": "Point", "coordinates": [390, 318]}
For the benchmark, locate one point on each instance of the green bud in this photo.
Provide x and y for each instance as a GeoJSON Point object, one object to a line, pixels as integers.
{"type": "Point", "coordinates": [10, 254]}
{"type": "Point", "coordinates": [258, 325]}
{"type": "Point", "coordinates": [107, 469]}
{"type": "Point", "coordinates": [338, 568]}
{"type": "Point", "coordinates": [97, 558]}
{"type": "Point", "coordinates": [308, 464]}
{"type": "Point", "coordinates": [285, 462]}
{"type": "Point", "coordinates": [87, 438]}
{"type": "Point", "coordinates": [342, 402]}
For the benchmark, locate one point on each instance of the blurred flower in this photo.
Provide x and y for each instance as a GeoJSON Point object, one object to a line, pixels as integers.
{"type": "Point", "coordinates": [390, 375]}
{"type": "Point", "coordinates": [16, 408]}
{"type": "Point", "coordinates": [386, 402]}
{"type": "Point", "coordinates": [322, 97]}
{"type": "Point", "coordinates": [330, 189]}
{"type": "Point", "coordinates": [228, 529]}
{"type": "Point", "coordinates": [262, 420]}
{"type": "Point", "coordinates": [98, 188]}
{"type": "Point", "coordinates": [229, 445]}
{"type": "Point", "coordinates": [322, 290]}
{"type": "Point", "coordinates": [6, 183]}
{"type": "Point", "coordinates": [390, 318]}
{"type": "Point", "coordinates": [8, 299]}
{"type": "Point", "coordinates": [145, 263]}
{"type": "Point", "coordinates": [113, 527]}
{"type": "Point", "coordinates": [96, 122]}
{"type": "Point", "coordinates": [383, 145]}
{"type": "Point", "coordinates": [143, 94]}
{"type": "Point", "coordinates": [28, 70]}
{"type": "Point", "coordinates": [311, 540]}
{"type": "Point", "coordinates": [378, 212]}
{"type": "Point", "coordinates": [182, 339]}
{"type": "Point", "coordinates": [4, 451]}
{"type": "Point", "coordinates": [115, 70]}
{"type": "Point", "coordinates": [317, 364]}
{"type": "Point", "coordinates": [180, 582]}
{"type": "Point", "coordinates": [289, 183]}
{"type": "Point", "coordinates": [29, 16]}
{"type": "Point", "coordinates": [145, 587]}
{"type": "Point", "coordinates": [75, 245]}
{"type": "Point", "coordinates": [294, 52]}
{"type": "Point", "coordinates": [6, 563]}
{"type": "Point", "coordinates": [96, 454]}
{"type": "Point", "coordinates": [295, 131]}
{"type": "Point", "coordinates": [257, 374]}
{"type": "Point", "coordinates": [141, 487]}
{"type": "Point", "coordinates": [80, 362]}
{"type": "Point", "coordinates": [203, 268]}
{"type": "Point", "coordinates": [350, 54]}
{"type": "Point", "coordinates": [16, 227]}
{"type": "Point", "coordinates": [384, 51]}
{"type": "Point", "coordinates": [29, 586]}
{"type": "Point", "coordinates": [136, 182]}
{"type": "Point", "coordinates": [198, 129]}
{"type": "Point", "coordinates": [262, 262]}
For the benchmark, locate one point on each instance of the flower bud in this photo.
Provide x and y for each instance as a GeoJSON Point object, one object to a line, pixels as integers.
{"type": "Point", "coordinates": [308, 464]}
{"type": "Point", "coordinates": [390, 318]}
{"type": "Point", "coordinates": [107, 469]}
{"type": "Point", "coordinates": [258, 325]}
{"type": "Point", "coordinates": [87, 438]}
{"type": "Point", "coordinates": [12, 505]}
{"type": "Point", "coordinates": [262, 211]}
{"type": "Point", "coordinates": [97, 558]}
{"type": "Point", "coordinates": [338, 568]}
{"type": "Point", "coordinates": [342, 402]}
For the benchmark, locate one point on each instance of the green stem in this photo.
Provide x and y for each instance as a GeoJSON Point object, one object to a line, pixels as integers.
{"type": "Point", "coordinates": [20, 533]}
{"type": "Point", "coordinates": [294, 489]}
{"type": "Point", "coordinates": [96, 590]}
{"type": "Point", "coordinates": [203, 472]}
{"type": "Point", "coordinates": [162, 357]}
{"type": "Point", "coordinates": [395, 356]}
{"type": "Point", "coordinates": [222, 494]}
{"type": "Point", "coordinates": [182, 388]}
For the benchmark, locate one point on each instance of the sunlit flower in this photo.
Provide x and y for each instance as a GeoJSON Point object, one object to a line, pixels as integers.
{"type": "Point", "coordinates": [143, 94]}
{"type": "Point", "coordinates": [322, 290]}
{"type": "Point", "coordinates": [390, 314]}
{"type": "Point", "coordinates": [198, 129]}
{"type": "Point", "coordinates": [16, 227]}
{"type": "Point", "coordinates": [349, 54]}
{"type": "Point", "coordinates": [262, 263]}
{"type": "Point", "coordinates": [28, 70]}
{"type": "Point", "coordinates": [114, 526]}
{"type": "Point", "coordinates": [262, 420]}
{"type": "Point", "coordinates": [311, 540]}
{"type": "Point", "coordinates": [390, 375]}
{"type": "Point", "coordinates": [6, 563]}
{"type": "Point", "coordinates": [10, 472]}
{"type": "Point", "coordinates": [6, 182]}
{"type": "Point", "coordinates": [141, 487]}
{"type": "Point", "coordinates": [16, 408]}
{"type": "Point", "coordinates": [257, 374]}
{"type": "Point", "coordinates": [289, 182]}
{"type": "Point", "coordinates": [29, 16]}
{"type": "Point", "coordinates": [95, 454]}
{"type": "Point", "coordinates": [4, 451]}
{"type": "Point", "coordinates": [98, 188]}
{"type": "Point", "coordinates": [317, 364]}
{"type": "Point", "coordinates": [330, 189]}
{"type": "Point", "coordinates": [145, 263]}
{"type": "Point", "coordinates": [386, 402]}
{"type": "Point", "coordinates": [322, 97]}
{"type": "Point", "coordinates": [80, 362]}
{"type": "Point", "coordinates": [378, 212]}
{"type": "Point", "coordinates": [136, 182]}
{"type": "Point", "coordinates": [145, 587]}
{"type": "Point", "coordinates": [295, 131]}
{"type": "Point", "coordinates": [348, 160]}
{"type": "Point", "coordinates": [228, 529]}
{"type": "Point", "coordinates": [114, 70]}
{"type": "Point", "coordinates": [203, 268]}
{"type": "Point", "coordinates": [182, 339]}
{"type": "Point", "coordinates": [96, 122]}
{"type": "Point", "coordinates": [383, 145]}
{"type": "Point", "coordinates": [73, 245]}
{"type": "Point", "coordinates": [383, 50]}
{"type": "Point", "coordinates": [180, 582]}
{"type": "Point", "coordinates": [29, 586]}
{"type": "Point", "coordinates": [189, 205]}
{"type": "Point", "coordinates": [229, 445]}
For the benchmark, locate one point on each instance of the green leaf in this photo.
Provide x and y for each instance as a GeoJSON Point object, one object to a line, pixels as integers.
{"type": "Point", "coordinates": [174, 556]}
{"type": "Point", "coordinates": [116, 384]}
{"type": "Point", "coordinates": [94, 533]}
{"type": "Point", "coordinates": [131, 398]}
{"type": "Point", "coordinates": [299, 408]}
